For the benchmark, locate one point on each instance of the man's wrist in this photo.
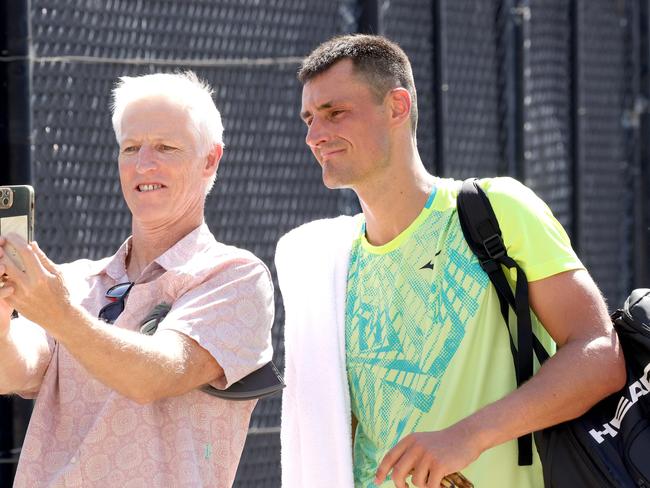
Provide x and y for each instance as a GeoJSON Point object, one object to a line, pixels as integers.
{"type": "Point", "coordinates": [480, 434]}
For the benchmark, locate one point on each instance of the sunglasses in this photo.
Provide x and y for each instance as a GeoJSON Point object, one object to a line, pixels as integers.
{"type": "Point", "coordinates": [117, 296]}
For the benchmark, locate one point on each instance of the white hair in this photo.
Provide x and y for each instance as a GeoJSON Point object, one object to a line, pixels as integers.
{"type": "Point", "coordinates": [185, 89]}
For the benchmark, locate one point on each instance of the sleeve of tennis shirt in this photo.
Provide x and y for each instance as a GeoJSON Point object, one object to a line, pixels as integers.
{"type": "Point", "coordinates": [533, 236]}
{"type": "Point", "coordinates": [230, 315]}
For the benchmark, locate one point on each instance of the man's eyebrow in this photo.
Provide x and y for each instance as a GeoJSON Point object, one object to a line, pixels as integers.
{"type": "Point", "coordinates": [307, 113]}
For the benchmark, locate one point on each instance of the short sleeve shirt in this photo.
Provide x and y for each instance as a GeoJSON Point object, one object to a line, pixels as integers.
{"type": "Point", "coordinates": [426, 344]}
{"type": "Point", "coordinates": [84, 434]}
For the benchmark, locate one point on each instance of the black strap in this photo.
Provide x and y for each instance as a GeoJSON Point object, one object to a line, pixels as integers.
{"type": "Point", "coordinates": [483, 235]}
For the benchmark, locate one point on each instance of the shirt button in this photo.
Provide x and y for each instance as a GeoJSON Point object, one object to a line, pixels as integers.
{"type": "Point", "coordinates": [73, 460]}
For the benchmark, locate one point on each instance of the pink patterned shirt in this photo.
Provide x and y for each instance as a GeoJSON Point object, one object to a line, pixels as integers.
{"type": "Point", "coordinates": [84, 434]}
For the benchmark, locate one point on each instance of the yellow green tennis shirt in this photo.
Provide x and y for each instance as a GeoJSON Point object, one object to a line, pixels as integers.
{"type": "Point", "coordinates": [426, 344]}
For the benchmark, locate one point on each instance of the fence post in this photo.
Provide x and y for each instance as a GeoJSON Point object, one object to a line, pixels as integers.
{"type": "Point", "coordinates": [514, 45]}
{"type": "Point", "coordinates": [370, 17]}
{"type": "Point", "coordinates": [634, 122]}
{"type": "Point", "coordinates": [577, 112]}
{"type": "Point", "coordinates": [15, 168]}
{"type": "Point", "coordinates": [440, 84]}
{"type": "Point", "coordinates": [641, 262]}
{"type": "Point", "coordinates": [15, 79]}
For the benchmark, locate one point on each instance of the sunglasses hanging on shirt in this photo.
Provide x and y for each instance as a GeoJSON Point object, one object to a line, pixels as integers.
{"type": "Point", "coordinates": [117, 297]}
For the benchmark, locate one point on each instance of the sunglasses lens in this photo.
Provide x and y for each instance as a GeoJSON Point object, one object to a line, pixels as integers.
{"type": "Point", "coordinates": [109, 313]}
{"type": "Point", "coordinates": [118, 291]}
{"type": "Point", "coordinates": [116, 295]}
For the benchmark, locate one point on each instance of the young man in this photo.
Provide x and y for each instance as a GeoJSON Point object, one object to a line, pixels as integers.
{"type": "Point", "coordinates": [398, 365]}
{"type": "Point", "coordinates": [115, 407]}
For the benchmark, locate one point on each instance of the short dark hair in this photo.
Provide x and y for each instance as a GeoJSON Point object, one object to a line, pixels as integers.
{"type": "Point", "coordinates": [380, 61]}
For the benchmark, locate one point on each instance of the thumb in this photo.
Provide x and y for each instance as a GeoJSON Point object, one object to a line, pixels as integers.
{"type": "Point", "coordinates": [45, 261]}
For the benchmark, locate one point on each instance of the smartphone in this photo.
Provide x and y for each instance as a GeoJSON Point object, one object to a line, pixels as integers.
{"type": "Point", "coordinates": [17, 214]}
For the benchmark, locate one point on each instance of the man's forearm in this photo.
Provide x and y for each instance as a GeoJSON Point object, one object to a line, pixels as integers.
{"type": "Point", "coordinates": [566, 386]}
{"type": "Point", "coordinates": [140, 367]}
{"type": "Point", "coordinates": [23, 358]}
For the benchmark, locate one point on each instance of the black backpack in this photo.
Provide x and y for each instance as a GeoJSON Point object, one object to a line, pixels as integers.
{"type": "Point", "coordinates": [609, 446]}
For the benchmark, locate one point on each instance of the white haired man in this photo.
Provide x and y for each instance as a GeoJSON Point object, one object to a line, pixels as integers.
{"type": "Point", "coordinates": [115, 407]}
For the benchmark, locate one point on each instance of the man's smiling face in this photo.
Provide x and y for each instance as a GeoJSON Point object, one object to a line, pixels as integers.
{"type": "Point", "coordinates": [347, 126]}
{"type": "Point", "coordinates": [162, 171]}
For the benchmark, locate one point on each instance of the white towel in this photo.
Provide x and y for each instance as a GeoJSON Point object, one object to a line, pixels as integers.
{"type": "Point", "coordinates": [312, 264]}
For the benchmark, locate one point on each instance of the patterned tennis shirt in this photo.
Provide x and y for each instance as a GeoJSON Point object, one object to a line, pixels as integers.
{"type": "Point", "coordinates": [84, 434]}
{"type": "Point", "coordinates": [426, 345]}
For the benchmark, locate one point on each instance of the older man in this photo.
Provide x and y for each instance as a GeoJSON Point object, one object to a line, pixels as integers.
{"type": "Point", "coordinates": [115, 407]}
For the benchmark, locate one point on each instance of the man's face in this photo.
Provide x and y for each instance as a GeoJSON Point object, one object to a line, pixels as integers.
{"type": "Point", "coordinates": [162, 173]}
{"type": "Point", "coordinates": [347, 127]}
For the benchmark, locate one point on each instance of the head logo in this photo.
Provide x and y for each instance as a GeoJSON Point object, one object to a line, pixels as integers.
{"type": "Point", "coordinates": [635, 391]}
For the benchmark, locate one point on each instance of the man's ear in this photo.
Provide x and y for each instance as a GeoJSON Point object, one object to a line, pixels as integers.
{"type": "Point", "coordinates": [213, 159]}
{"type": "Point", "coordinates": [400, 105]}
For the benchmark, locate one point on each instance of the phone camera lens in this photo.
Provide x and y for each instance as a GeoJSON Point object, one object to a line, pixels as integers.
{"type": "Point", "coordinates": [5, 201]}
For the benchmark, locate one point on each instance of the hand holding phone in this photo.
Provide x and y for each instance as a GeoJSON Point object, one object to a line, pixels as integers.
{"type": "Point", "coordinates": [17, 216]}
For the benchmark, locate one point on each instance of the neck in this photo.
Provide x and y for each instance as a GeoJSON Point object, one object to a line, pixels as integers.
{"type": "Point", "coordinates": [148, 241]}
{"type": "Point", "coordinates": [392, 204]}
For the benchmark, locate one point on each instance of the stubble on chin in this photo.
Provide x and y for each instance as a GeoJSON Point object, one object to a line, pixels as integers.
{"type": "Point", "coordinates": [331, 179]}
{"type": "Point", "coordinates": [336, 181]}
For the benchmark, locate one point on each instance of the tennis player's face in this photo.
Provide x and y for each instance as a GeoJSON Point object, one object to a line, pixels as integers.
{"type": "Point", "coordinates": [162, 172]}
{"type": "Point", "coordinates": [347, 127]}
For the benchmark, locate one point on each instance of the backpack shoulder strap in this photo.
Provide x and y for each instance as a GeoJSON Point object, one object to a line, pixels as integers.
{"type": "Point", "coordinates": [483, 235]}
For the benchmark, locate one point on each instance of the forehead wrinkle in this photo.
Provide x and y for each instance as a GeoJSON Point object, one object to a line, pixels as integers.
{"type": "Point", "coordinates": [151, 136]}
{"type": "Point", "coordinates": [154, 122]}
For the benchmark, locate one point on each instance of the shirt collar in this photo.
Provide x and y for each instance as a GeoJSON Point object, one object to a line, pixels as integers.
{"type": "Point", "coordinates": [186, 253]}
{"type": "Point", "coordinates": [177, 258]}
